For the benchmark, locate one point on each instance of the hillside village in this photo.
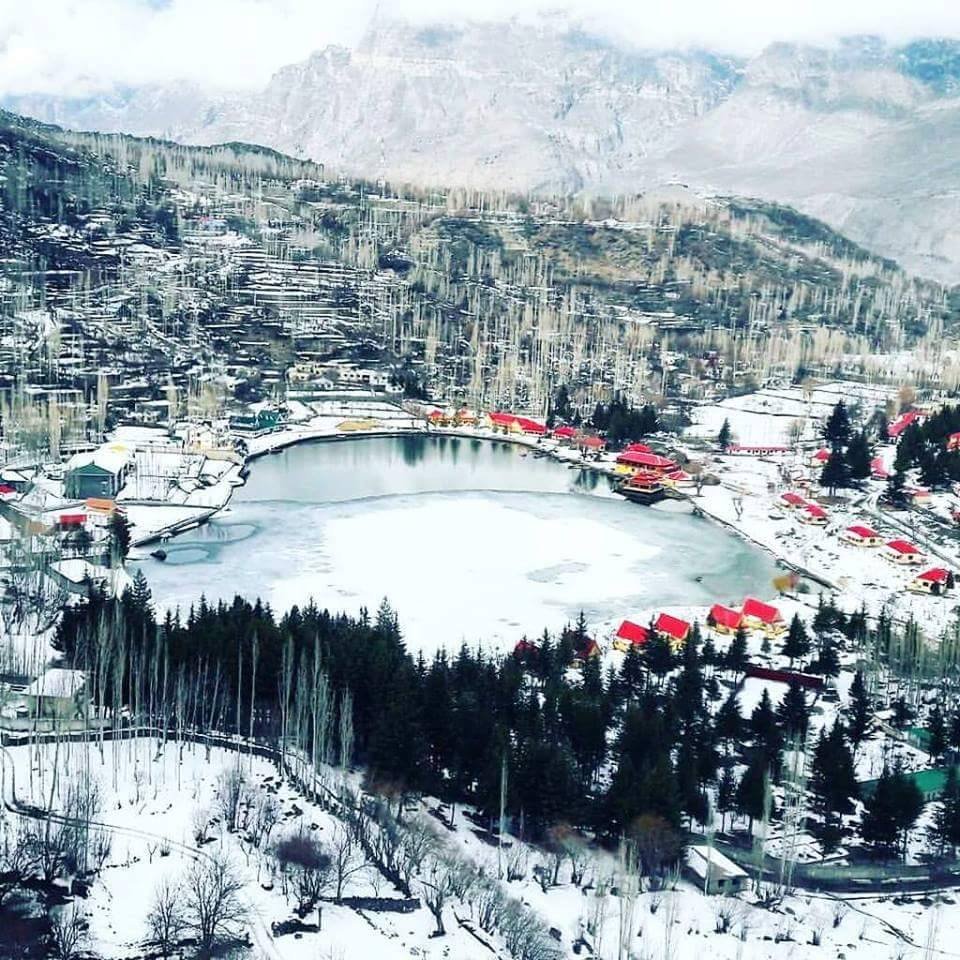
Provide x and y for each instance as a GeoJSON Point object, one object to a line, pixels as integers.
{"type": "Point", "coordinates": [177, 313]}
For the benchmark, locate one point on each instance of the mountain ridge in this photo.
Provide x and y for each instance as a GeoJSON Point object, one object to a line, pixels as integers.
{"type": "Point", "coordinates": [862, 135]}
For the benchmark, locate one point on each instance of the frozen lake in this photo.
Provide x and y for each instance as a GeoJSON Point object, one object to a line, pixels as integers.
{"type": "Point", "coordinates": [469, 539]}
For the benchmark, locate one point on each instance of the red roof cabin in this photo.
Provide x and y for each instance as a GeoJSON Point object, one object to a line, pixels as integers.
{"type": "Point", "coordinates": [672, 629]}
{"type": "Point", "coordinates": [565, 433]}
{"type": "Point", "coordinates": [526, 651]}
{"type": "Point", "coordinates": [531, 427]}
{"type": "Point", "coordinates": [630, 461]}
{"type": "Point", "coordinates": [936, 581]}
{"type": "Point", "coordinates": [792, 501]}
{"type": "Point", "coordinates": [901, 423]}
{"type": "Point", "coordinates": [820, 457]}
{"type": "Point", "coordinates": [70, 521]}
{"type": "Point", "coordinates": [591, 649]}
{"type": "Point", "coordinates": [814, 514]}
{"type": "Point", "coordinates": [504, 422]}
{"type": "Point", "coordinates": [630, 634]}
{"type": "Point", "coordinates": [637, 448]}
{"type": "Point", "coordinates": [724, 619]}
{"type": "Point", "coordinates": [758, 615]}
{"type": "Point", "coordinates": [877, 470]}
{"type": "Point", "coordinates": [900, 551]}
{"type": "Point", "coordinates": [593, 444]}
{"type": "Point", "coordinates": [861, 536]}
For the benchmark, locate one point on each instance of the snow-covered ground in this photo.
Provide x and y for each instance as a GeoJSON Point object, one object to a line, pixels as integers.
{"type": "Point", "coordinates": [150, 798]}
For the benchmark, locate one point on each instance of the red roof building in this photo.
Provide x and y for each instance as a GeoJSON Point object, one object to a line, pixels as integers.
{"type": "Point", "coordinates": [877, 470]}
{"type": "Point", "coordinates": [813, 513]}
{"type": "Point", "coordinates": [936, 580]}
{"type": "Point", "coordinates": [591, 443]}
{"type": "Point", "coordinates": [630, 634]}
{"type": "Point", "coordinates": [861, 536]}
{"type": "Point", "coordinates": [673, 628]}
{"type": "Point", "coordinates": [902, 422]}
{"type": "Point", "coordinates": [565, 433]}
{"type": "Point", "coordinates": [724, 619]}
{"type": "Point", "coordinates": [639, 460]}
{"type": "Point", "coordinates": [72, 519]}
{"type": "Point", "coordinates": [760, 612]}
{"type": "Point", "coordinates": [822, 455]}
{"type": "Point", "coordinates": [792, 500]}
{"type": "Point", "coordinates": [637, 448]}
{"type": "Point", "coordinates": [901, 551]}
{"type": "Point", "coordinates": [531, 426]}
{"type": "Point", "coordinates": [953, 441]}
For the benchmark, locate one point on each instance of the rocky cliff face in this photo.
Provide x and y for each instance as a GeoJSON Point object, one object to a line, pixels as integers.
{"type": "Point", "coordinates": [864, 136]}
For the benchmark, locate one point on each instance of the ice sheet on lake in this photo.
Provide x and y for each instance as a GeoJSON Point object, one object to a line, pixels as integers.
{"type": "Point", "coordinates": [465, 566]}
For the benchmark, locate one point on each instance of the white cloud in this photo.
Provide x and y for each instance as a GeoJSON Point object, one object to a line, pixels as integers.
{"type": "Point", "coordinates": [83, 46]}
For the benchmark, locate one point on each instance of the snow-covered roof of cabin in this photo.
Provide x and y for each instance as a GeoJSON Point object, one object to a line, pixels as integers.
{"type": "Point", "coordinates": [78, 569]}
{"type": "Point", "coordinates": [699, 856]}
{"type": "Point", "coordinates": [111, 458]}
{"type": "Point", "coordinates": [57, 682]}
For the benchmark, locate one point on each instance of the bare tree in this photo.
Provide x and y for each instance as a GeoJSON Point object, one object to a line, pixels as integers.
{"type": "Point", "coordinates": [200, 824]}
{"type": "Point", "coordinates": [166, 921]}
{"type": "Point", "coordinates": [304, 858]}
{"type": "Point", "coordinates": [264, 816]}
{"type": "Point", "coordinates": [16, 859]}
{"type": "Point", "coordinates": [231, 796]}
{"type": "Point", "coordinates": [439, 885]}
{"type": "Point", "coordinates": [212, 907]}
{"type": "Point", "coordinates": [68, 932]}
{"type": "Point", "coordinates": [346, 857]}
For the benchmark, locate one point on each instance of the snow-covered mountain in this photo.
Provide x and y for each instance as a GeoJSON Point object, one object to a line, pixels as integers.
{"type": "Point", "coordinates": [864, 136]}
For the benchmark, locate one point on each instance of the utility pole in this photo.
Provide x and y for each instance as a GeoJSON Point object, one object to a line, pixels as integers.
{"type": "Point", "coordinates": [503, 814]}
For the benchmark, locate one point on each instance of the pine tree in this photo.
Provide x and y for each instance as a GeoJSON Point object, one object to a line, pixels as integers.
{"type": "Point", "coordinates": [797, 643]}
{"type": "Point", "coordinates": [945, 828]}
{"type": "Point", "coordinates": [835, 473]}
{"type": "Point", "coordinates": [902, 713]}
{"type": "Point", "coordinates": [632, 673]}
{"type": "Point", "coordinates": [793, 712]}
{"type": "Point", "coordinates": [736, 658]}
{"type": "Point", "coordinates": [658, 655]}
{"type": "Point", "coordinates": [833, 786]}
{"type": "Point", "coordinates": [751, 791]}
{"type": "Point", "coordinates": [891, 811]}
{"type": "Point", "coordinates": [896, 483]}
{"type": "Point", "coordinates": [858, 457]}
{"type": "Point", "coordinates": [858, 711]}
{"type": "Point", "coordinates": [726, 796]}
{"type": "Point", "coordinates": [725, 435]}
{"type": "Point", "coordinates": [728, 724]}
{"type": "Point", "coordinates": [937, 729]}
{"type": "Point", "coordinates": [828, 660]}
{"type": "Point", "coordinates": [119, 529]}
{"type": "Point", "coordinates": [836, 430]}
{"type": "Point", "coordinates": [767, 738]}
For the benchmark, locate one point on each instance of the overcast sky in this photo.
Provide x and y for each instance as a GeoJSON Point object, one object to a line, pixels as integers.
{"type": "Point", "coordinates": [83, 46]}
